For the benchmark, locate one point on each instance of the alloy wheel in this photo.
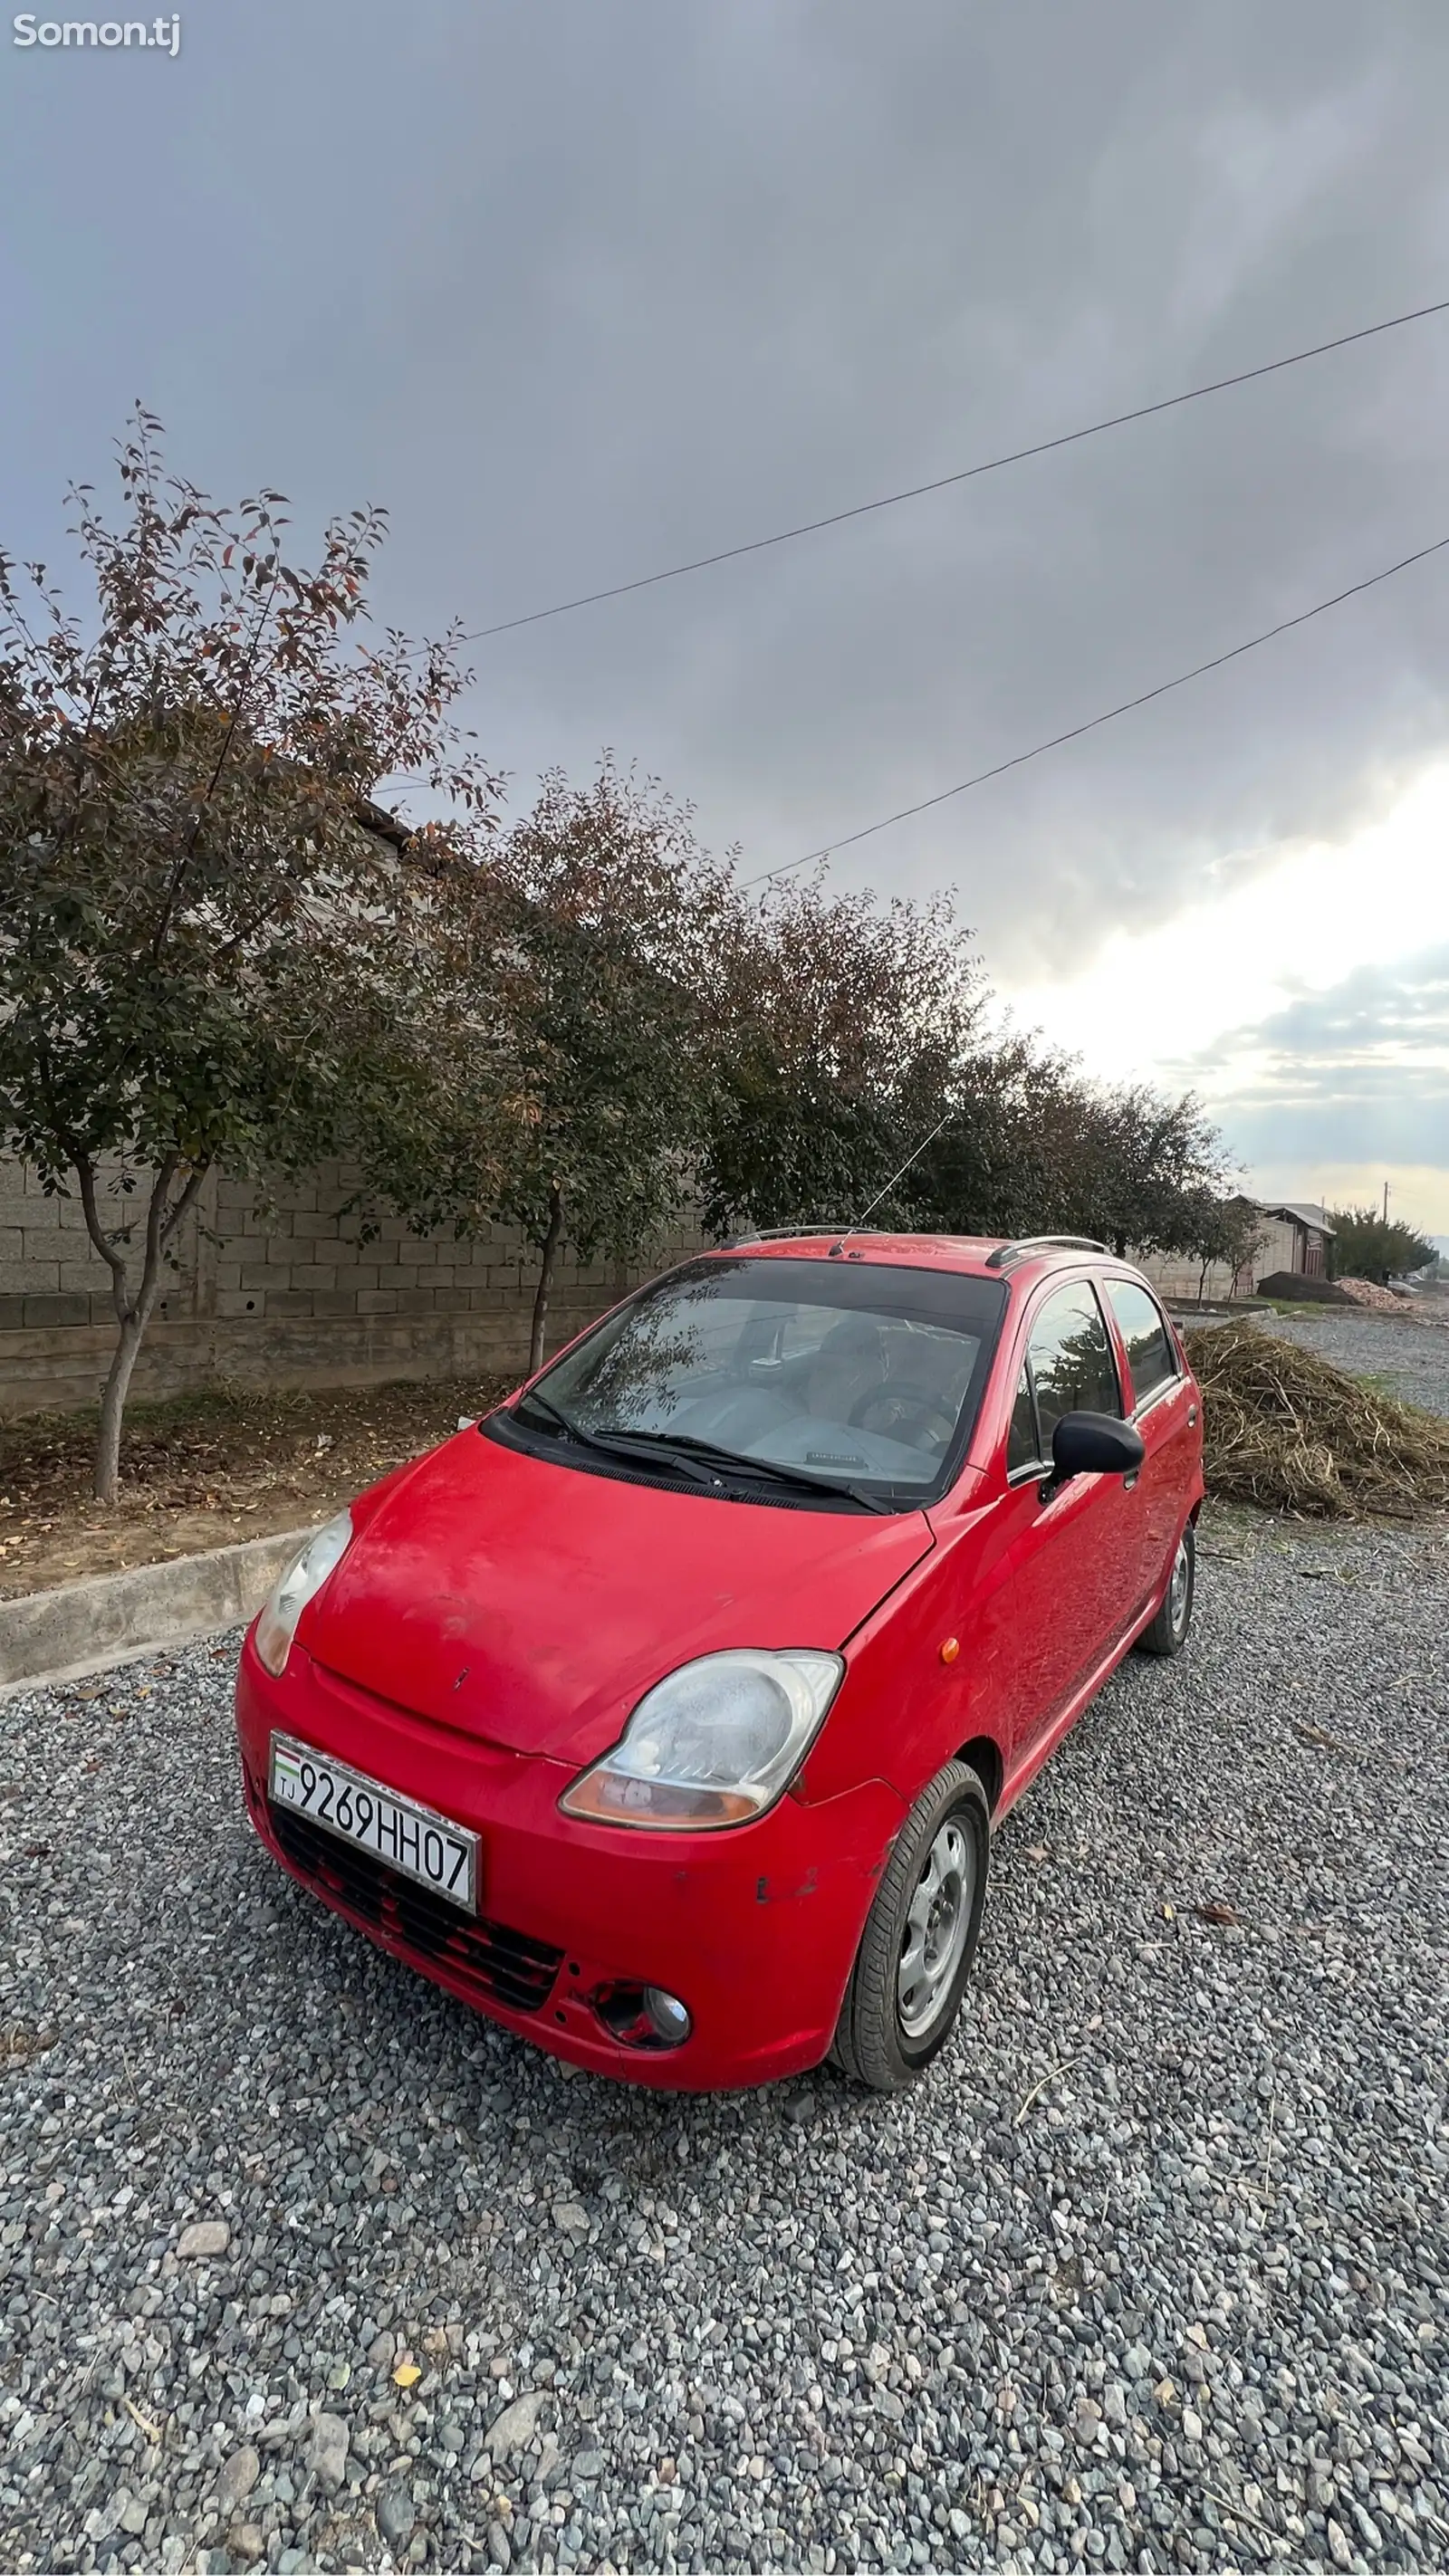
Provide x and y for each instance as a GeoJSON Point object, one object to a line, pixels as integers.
{"type": "Point", "coordinates": [937, 1924]}
{"type": "Point", "coordinates": [1179, 1587]}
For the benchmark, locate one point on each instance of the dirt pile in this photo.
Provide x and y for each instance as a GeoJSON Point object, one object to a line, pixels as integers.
{"type": "Point", "coordinates": [1298, 1287]}
{"type": "Point", "coordinates": [1288, 1432]}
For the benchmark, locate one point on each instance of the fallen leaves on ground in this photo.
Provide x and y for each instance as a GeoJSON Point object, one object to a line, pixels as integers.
{"type": "Point", "coordinates": [18, 2044]}
{"type": "Point", "coordinates": [230, 1462]}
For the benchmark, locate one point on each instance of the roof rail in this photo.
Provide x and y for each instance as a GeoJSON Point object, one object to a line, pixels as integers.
{"type": "Point", "coordinates": [783, 1233]}
{"type": "Point", "coordinates": [1027, 1244]}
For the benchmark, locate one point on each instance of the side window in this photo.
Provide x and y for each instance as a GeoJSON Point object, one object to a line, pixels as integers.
{"type": "Point", "coordinates": [1022, 1448]}
{"type": "Point", "coordinates": [1150, 1354]}
{"type": "Point", "coordinates": [1071, 1360]}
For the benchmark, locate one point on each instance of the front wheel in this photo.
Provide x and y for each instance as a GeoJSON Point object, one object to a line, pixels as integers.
{"type": "Point", "coordinates": [1168, 1632]}
{"type": "Point", "coordinates": [920, 1937]}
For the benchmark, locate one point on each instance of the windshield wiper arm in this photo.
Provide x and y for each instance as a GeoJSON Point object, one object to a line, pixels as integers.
{"type": "Point", "coordinates": [693, 1455]}
{"type": "Point", "coordinates": [545, 1404]}
{"type": "Point", "coordinates": [739, 1460]}
{"type": "Point", "coordinates": [627, 1445]}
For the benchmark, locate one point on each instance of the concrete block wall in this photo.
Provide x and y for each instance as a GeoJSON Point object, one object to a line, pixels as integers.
{"type": "Point", "coordinates": [277, 1289]}
{"type": "Point", "coordinates": [281, 1293]}
{"type": "Point", "coordinates": [1177, 1279]}
{"type": "Point", "coordinates": [51, 1277]}
{"type": "Point", "coordinates": [1176, 1275]}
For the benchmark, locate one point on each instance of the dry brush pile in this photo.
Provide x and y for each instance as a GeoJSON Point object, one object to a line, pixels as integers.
{"type": "Point", "coordinates": [1287, 1431]}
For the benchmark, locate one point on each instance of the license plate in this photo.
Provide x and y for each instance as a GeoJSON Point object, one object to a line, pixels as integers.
{"type": "Point", "coordinates": [414, 1840]}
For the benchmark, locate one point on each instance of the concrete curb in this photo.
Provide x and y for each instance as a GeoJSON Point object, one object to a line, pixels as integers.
{"type": "Point", "coordinates": [112, 1618]}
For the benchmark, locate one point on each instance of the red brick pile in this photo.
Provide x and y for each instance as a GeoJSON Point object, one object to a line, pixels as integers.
{"type": "Point", "coordinates": [1383, 1301]}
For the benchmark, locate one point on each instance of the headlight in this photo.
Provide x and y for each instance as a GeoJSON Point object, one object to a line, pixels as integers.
{"type": "Point", "coordinates": [714, 1744]}
{"type": "Point", "coordinates": [290, 1595]}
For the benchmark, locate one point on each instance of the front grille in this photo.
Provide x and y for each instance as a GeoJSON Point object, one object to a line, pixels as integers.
{"type": "Point", "coordinates": [493, 1962]}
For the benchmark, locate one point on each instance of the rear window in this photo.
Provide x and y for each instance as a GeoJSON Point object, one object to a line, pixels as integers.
{"type": "Point", "coordinates": [1150, 1354]}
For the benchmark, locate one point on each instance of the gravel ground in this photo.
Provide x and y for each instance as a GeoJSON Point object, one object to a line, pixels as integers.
{"type": "Point", "coordinates": [1409, 1359]}
{"type": "Point", "coordinates": [1151, 2274]}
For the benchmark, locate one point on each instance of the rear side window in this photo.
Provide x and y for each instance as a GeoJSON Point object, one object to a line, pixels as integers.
{"type": "Point", "coordinates": [1150, 1354]}
{"type": "Point", "coordinates": [1070, 1357]}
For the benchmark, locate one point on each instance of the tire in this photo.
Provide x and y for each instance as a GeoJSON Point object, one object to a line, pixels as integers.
{"type": "Point", "coordinates": [890, 2028]}
{"type": "Point", "coordinates": [1168, 1633]}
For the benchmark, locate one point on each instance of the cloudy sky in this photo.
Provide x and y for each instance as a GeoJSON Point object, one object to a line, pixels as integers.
{"type": "Point", "coordinates": [581, 287]}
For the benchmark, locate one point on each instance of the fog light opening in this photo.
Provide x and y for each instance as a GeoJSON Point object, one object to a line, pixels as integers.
{"type": "Point", "coordinates": [643, 2016]}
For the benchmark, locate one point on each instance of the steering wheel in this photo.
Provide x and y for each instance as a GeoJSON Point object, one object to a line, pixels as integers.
{"type": "Point", "coordinates": [905, 1397]}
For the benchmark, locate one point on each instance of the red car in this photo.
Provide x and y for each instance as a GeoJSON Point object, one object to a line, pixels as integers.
{"type": "Point", "coordinates": [665, 1713]}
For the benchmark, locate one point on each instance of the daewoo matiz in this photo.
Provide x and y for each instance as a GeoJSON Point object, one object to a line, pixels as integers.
{"type": "Point", "coordinates": [665, 1713]}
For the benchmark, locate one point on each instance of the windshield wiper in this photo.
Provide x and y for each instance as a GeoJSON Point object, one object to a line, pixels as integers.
{"type": "Point", "coordinates": [694, 1455]}
{"type": "Point", "coordinates": [739, 1462]}
{"type": "Point", "coordinates": [626, 1445]}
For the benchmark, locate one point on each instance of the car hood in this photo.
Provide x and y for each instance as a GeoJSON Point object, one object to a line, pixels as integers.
{"type": "Point", "coordinates": [531, 1604]}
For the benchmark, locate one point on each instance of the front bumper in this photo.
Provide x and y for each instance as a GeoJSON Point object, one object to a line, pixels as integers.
{"type": "Point", "coordinates": [755, 1928]}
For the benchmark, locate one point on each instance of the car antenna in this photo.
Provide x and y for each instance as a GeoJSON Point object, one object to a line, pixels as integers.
{"type": "Point", "coordinates": [857, 1222]}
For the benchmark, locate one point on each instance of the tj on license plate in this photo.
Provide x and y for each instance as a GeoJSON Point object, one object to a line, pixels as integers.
{"type": "Point", "coordinates": [412, 1839]}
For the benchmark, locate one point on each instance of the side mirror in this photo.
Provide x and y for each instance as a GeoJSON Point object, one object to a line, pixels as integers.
{"type": "Point", "coordinates": [1094, 1444]}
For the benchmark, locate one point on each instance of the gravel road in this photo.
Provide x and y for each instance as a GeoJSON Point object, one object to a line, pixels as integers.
{"type": "Point", "coordinates": [1150, 2275]}
{"type": "Point", "coordinates": [1409, 1359]}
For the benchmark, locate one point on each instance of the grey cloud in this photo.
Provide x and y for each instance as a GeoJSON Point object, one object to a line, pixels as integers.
{"type": "Point", "coordinates": [580, 289]}
{"type": "Point", "coordinates": [1357, 1074]}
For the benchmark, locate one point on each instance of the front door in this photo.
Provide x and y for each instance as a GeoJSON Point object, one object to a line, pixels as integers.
{"type": "Point", "coordinates": [1075, 1551]}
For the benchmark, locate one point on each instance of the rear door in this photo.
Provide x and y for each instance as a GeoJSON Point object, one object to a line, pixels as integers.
{"type": "Point", "coordinates": [1164, 1411]}
{"type": "Point", "coordinates": [1076, 1553]}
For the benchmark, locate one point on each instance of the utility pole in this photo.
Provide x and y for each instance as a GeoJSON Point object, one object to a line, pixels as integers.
{"type": "Point", "coordinates": [1386, 1202]}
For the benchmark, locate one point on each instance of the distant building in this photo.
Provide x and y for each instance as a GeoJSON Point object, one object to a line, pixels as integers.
{"type": "Point", "coordinates": [1293, 1235]}
{"type": "Point", "coordinates": [1297, 1237]}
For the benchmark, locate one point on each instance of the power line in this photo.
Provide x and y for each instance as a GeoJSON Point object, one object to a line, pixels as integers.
{"type": "Point", "coordinates": [1109, 715]}
{"type": "Point", "coordinates": [943, 482]}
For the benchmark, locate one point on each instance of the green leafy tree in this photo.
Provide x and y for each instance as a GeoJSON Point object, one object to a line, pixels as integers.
{"type": "Point", "coordinates": [214, 945]}
{"type": "Point", "coordinates": [1227, 1232]}
{"type": "Point", "coordinates": [606, 930]}
{"type": "Point", "coordinates": [1368, 1246]}
{"type": "Point", "coordinates": [997, 1166]}
{"type": "Point", "coordinates": [1145, 1166]}
{"type": "Point", "coordinates": [855, 1035]}
{"type": "Point", "coordinates": [1034, 1149]}
{"type": "Point", "coordinates": [842, 1026]}
{"type": "Point", "coordinates": [1014, 1160]}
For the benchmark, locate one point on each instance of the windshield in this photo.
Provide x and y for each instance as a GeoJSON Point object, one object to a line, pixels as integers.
{"type": "Point", "coordinates": [868, 1375]}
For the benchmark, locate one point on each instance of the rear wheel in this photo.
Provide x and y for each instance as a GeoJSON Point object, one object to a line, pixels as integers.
{"type": "Point", "coordinates": [1168, 1632]}
{"type": "Point", "coordinates": [920, 1937]}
